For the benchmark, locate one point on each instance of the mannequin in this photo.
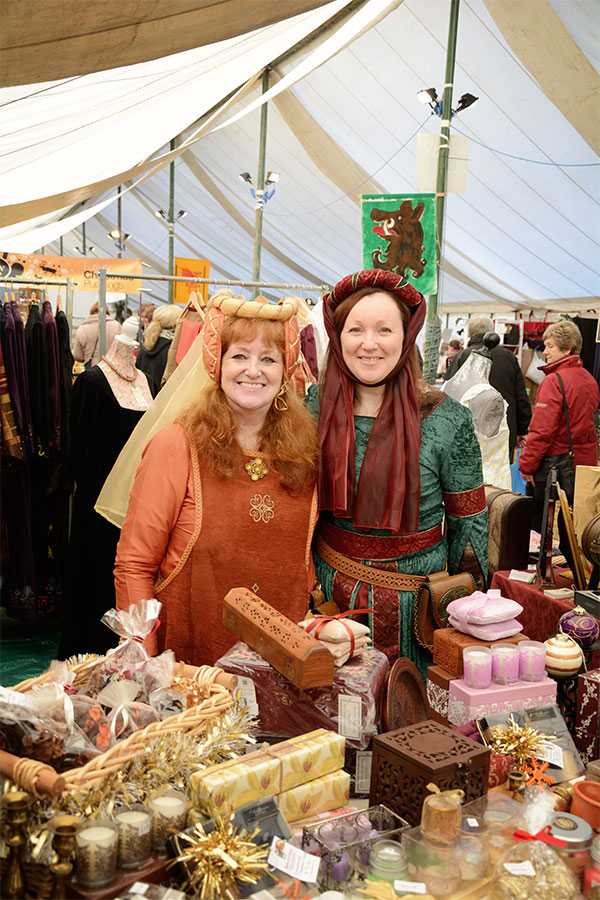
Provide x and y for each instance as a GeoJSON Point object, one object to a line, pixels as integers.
{"type": "Point", "coordinates": [108, 401]}
{"type": "Point", "coordinates": [128, 384]}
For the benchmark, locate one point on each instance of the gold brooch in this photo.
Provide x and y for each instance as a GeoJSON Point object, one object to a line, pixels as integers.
{"type": "Point", "coordinates": [256, 468]}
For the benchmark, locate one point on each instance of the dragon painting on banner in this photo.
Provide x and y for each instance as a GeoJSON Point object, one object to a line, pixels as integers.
{"type": "Point", "coordinates": [399, 235]}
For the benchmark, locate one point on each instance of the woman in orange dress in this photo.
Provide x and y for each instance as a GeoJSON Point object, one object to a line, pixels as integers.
{"type": "Point", "coordinates": [225, 496]}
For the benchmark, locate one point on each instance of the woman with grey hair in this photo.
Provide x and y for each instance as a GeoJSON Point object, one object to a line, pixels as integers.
{"type": "Point", "coordinates": [562, 432]}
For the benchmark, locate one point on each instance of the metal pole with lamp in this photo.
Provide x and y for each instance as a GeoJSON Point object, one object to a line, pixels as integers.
{"type": "Point", "coordinates": [260, 182]}
{"type": "Point", "coordinates": [171, 222]}
{"type": "Point", "coordinates": [433, 328]}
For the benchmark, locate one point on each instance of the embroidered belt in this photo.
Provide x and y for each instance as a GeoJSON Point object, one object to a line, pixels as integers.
{"type": "Point", "coordinates": [367, 546]}
{"type": "Point", "coordinates": [395, 581]}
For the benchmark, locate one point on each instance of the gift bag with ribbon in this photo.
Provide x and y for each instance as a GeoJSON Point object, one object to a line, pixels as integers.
{"type": "Point", "coordinates": [127, 716]}
{"type": "Point", "coordinates": [133, 625]}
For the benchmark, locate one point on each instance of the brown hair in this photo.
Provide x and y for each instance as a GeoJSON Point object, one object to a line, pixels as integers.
{"type": "Point", "coordinates": [426, 395]}
{"type": "Point", "coordinates": [289, 437]}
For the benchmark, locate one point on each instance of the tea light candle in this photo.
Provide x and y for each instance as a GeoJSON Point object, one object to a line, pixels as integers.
{"type": "Point", "coordinates": [96, 854]}
{"type": "Point", "coordinates": [169, 814]}
{"type": "Point", "coordinates": [135, 837]}
{"type": "Point", "coordinates": [477, 663]}
{"type": "Point", "coordinates": [532, 660]}
{"type": "Point", "coordinates": [505, 663]}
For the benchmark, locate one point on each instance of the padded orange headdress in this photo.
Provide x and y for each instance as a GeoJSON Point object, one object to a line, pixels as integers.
{"type": "Point", "coordinates": [224, 305]}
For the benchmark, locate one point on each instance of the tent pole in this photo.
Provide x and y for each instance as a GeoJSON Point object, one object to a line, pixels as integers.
{"type": "Point", "coordinates": [120, 222]}
{"type": "Point", "coordinates": [433, 327]}
{"type": "Point", "coordinates": [171, 221]}
{"type": "Point", "coordinates": [260, 182]}
{"type": "Point", "coordinates": [102, 348]}
{"type": "Point", "coordinates": [83, 240]}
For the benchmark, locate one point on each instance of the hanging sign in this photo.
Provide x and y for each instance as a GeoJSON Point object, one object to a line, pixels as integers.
{"type": "Point", "coordinates": [83, 270]}
{"type": "Point", "coordinates": [192, 268]}
{"type": "Point", "coordinates": [399, 235]}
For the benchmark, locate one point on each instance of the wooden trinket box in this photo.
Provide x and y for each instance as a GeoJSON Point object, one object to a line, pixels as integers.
{"type": "Point", "coordinates": [405, 761]}
{"type": "Point", "coordinates": [448, 646]}
{"type": "Point", "coordinates": [304, 661]}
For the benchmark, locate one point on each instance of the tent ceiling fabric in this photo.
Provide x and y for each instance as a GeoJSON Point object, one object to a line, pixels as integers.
{"type": "Point", "coordinates": [525, 233]}
{"type": "Point", "coordinates": [537, 36]}
{"type": "Point", "coordinates": [46, 40]}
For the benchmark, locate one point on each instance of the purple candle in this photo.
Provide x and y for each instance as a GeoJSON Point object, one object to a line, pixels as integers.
{"type": "Point", "coordinates": [532, 660]}
{"type": "Point", "coordinates": [505, 663]}
{"type": "Point", "coordinates": [477, 663]}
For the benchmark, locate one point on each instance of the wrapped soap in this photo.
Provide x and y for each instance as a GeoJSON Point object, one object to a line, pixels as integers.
{"type": "Point", "coordinates": [329, 792]}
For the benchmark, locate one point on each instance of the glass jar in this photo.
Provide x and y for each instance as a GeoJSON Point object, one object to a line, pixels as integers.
{"type": "Point", "coordinates": [387, 862]}
{"type": "Point", "coordinates": [577, 835]}
{"type": "Point", "coordinates": [591, 876]}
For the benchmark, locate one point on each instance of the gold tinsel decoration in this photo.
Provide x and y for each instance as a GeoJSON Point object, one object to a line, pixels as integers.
{"type": "Point", "coordinates": [169, 759]}
{"type": "Point", "coordinates": [215, 863]}
{"type": "Point", "coordinates": [519, 741]}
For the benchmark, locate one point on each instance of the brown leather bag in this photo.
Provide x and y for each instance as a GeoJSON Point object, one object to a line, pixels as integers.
{"type": "Point", "coordinates": [432, 601]}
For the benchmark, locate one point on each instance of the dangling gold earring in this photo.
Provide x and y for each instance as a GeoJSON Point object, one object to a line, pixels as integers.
{"type": "Point", "coordinates": [280, 404]}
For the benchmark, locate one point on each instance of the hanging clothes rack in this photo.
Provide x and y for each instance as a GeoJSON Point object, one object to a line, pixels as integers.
{"type": "Point", "coordinates": [69, 284]}
{"type": "Point", "coordinates": [103, 275]}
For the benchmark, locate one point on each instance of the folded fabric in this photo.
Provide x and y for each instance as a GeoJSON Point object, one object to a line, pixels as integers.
{"type": "Point", "coordinates": [480, 609]}
{"type": "Point", "coordinates": [342, 652]}
{"type": "Point", "coordinates": [334, 631]}
{"type": "Point", "coordinates": [495, 631]}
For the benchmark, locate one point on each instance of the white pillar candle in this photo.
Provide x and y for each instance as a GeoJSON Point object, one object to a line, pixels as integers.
{"type": "Point", "coordinates": [96, 854]}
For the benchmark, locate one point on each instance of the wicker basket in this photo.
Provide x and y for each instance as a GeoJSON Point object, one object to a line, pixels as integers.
{"type": "Point", "coordinates": [196, 720]}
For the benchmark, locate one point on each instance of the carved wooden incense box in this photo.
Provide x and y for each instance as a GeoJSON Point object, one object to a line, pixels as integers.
{"type": "Point", "coordinates": [304, 661]}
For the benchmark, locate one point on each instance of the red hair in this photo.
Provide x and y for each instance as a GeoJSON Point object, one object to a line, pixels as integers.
{"type": "Point", "coordinates": [288, 438]}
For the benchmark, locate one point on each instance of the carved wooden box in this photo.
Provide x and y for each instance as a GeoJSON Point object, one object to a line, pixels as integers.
{"type": "Point", "coordinates": [304, 661]}
{"type": "Point", "coordinates": [448, 646]}
{"type": "Point", "coordinates": [405, 761]}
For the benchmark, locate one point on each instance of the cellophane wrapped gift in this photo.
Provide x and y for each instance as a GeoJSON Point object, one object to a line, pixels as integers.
{"type": "Point", "coordinates": [285, 710]}
{"type": "Point", "coordinates": [24, 732]}
{"type": "Point", "coordinates": [126, 715]}
{"type": "Point", "coordinates": [133, 625]}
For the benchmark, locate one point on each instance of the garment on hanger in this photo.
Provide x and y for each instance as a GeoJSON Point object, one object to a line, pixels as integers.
{"type": "Point", "coordinates": [100, 427]}
{"type": "Point", "coordinates": [65, 368]}
{"type": "Point", "coordinates": [15, 361]}
{"type": "Point", "coordinates": [52, 373]}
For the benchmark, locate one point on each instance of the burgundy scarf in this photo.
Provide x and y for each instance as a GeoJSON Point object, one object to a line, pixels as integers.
{"type": "Point", "coordinates": [389, 486]}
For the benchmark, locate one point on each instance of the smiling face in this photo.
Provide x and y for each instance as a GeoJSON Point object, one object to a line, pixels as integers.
{"type": "Point", "coordinates": [372, 338]}
{"type": "Point", "coordinates": [251, 373]}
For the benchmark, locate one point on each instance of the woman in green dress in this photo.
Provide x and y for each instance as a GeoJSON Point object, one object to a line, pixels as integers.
{"type": "Point", "coordinates": [400, 482]}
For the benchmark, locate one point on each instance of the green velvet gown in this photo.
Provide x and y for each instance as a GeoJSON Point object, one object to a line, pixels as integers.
{"type": "Point", "coordinates": [451, 493]}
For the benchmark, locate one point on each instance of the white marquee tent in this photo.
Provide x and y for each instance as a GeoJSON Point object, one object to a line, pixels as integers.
{"type": "Point", "coordinates": [343, 119]}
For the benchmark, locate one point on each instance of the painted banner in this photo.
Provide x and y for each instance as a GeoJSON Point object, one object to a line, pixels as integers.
{"type": "Point", "coordinates": [83, 270]}
{"type": "Point", "coordinates": [192, 268]}
{"type": "Point", "coordinates": [399, 235]}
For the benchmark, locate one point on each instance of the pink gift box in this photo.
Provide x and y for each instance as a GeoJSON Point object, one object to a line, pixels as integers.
{"type": "Point", "coordinates": [466, 704]}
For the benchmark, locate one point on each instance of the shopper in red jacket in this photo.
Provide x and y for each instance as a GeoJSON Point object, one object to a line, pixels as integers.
{"type": "Point", "coordinates": [548, 443]}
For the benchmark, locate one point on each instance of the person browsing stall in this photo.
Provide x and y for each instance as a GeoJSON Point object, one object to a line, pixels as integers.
{"type": "Point", "coordinates": [225, 496]}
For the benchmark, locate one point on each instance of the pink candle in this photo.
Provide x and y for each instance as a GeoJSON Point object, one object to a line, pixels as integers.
{"type": "Point", "coordinates": [505, 663]}
{"type": "Point", "coordinates": [532, 660]}
{"type": "Point", "coordinates": [477, 663]}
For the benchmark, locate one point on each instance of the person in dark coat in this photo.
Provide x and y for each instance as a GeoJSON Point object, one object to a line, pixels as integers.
{"type": "Point", "coordinates": [158, 336]}
{"type": "Point", "coordinates": [505, 376]}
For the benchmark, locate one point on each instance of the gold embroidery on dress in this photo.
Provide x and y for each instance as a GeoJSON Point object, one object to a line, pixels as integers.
{"type": "Point", "coordinates": [262, 507]}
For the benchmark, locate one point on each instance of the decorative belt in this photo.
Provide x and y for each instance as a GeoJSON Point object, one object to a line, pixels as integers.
{"type": "Point", "coordinates": [396, 581]}
{"type": "Point", "coordinates": [369, 546]}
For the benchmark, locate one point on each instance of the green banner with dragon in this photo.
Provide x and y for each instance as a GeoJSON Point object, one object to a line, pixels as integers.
{"type": "Point", "coordinates": [399, 234]}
